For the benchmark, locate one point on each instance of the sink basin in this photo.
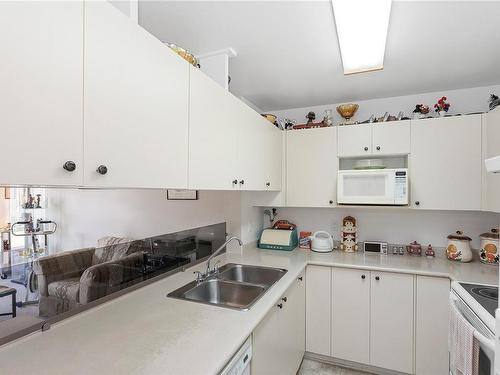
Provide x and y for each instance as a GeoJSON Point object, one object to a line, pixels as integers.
{"type": "Point", "coordinates": [236, 286]}
{"type": "Point", "coordinates": [219, 292]}
{"type": "Point", "coordinates": [242, 273]}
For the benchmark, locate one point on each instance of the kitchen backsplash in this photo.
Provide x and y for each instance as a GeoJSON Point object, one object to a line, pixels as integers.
{"type": "Point", "coordinates": [395, 226]}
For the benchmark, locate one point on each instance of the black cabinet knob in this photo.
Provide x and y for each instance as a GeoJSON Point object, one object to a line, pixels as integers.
{"type": "Point", "coordinates": [268, 184]}
{"type": "Point", "coordinates": [363, 277]}
{"type": "Point", "coordinates": [280, 305]}
{"type": "Point", "coordinates": [235, 182]}
{"type": "Point", "coordinates": [102, 169]}
{"type": "Point", "coordinates": [284, 299]}
{"type": "Point", "coordinates": [377, 278]}
{"type": "Point", "coordinates": [417, 203]}
{"type": "Point", "coordinates": [70, 166]}
{"type": "Point", "coordinates": [378, 148]}
{"type": "Point", "coordinates": [331, 202]}
{"type": "Point", "coordinates": [242, 182]}
{"type": "Point", "coordinates": [366, 148]}
{"type": "Point", "coordinates": [300, 278]}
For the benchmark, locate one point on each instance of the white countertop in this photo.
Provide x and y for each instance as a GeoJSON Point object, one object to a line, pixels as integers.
{"type": "Point", "coordinates": [145, 332]}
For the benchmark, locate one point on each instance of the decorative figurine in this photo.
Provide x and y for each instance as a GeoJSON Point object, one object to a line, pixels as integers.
{"type": "Point", "coordinates": [494, 102]}
{"type": "Point", "coordinates": [430, 253]}
{"type": "Point", "coordinates": [328, 118]}
{"type": "Point", "coordinates": [38, 199]}
{"type": "Point", "coordinates": [420, 111]}
{"type": "Point", "coordinates": [311, 116]}
{"type": "Point", "coordinates": [349, 242]}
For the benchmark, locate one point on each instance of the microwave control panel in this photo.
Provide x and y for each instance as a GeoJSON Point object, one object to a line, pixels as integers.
{"type": "Point", "coordinates": [401, 187]}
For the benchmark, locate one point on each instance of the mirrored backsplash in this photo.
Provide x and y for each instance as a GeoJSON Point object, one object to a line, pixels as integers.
{"type": "Point", "coordinates": [36, 288]}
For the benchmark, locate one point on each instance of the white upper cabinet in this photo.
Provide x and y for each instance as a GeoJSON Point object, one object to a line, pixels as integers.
{"type": "Point", "coordinates": [230, 145]}
{"type": "Point", "coordinates": [446, 163]}
{"type": "Point", "coordinates": [491, 143]}
{"type": "Point", "coordinates": [270, 155]}
{"type": "Point", "coordinates": [135, 105]}
{"type": "Point", "coordinates": [354, 140]}
{"type": "Point", "coordinates": [312, 166]}
{"type": "Point", "coordinates": [391, 138]}
{"type": "Point", "coordinates": [213, 151]}
{"type": "Point", "coordinates": [41, 75]}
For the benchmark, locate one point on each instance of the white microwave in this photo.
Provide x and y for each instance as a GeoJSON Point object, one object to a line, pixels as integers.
{"type": "Point", "coordinates": [373, 186]}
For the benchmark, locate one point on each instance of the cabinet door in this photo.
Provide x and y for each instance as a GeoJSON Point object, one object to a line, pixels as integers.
{"type": "Point", "coordinates": [446, 163]}
{"type": "Point", "coordinates": [212, 134]}
{"type": "Point", "coordinates": [41, 92]}
{"type": "Point", "coordinates": [252, 132]}
{"type": "Point", "coordinates": [136, 104]}
{"type": "Point", "coordinates": [312, 166]}
{"type": "Point", "coordinates": [391, 326]}
{"type": "Point", "coordinates": [299, 321]}
{"type": "Point", "coordinates": [271, 152]}
{"type": "Point", "coordinates": [392, 138]}
{"type": "Point", "coordinates": [432, 314]}
{"type": "Point", "coordinates": [492, 148]}
{"type": "Point", "coordinates": [267, 345]}
{"type": "Point", "coordinates": [355, 140]}
{"type": "Point", "coordinates": [351, 314]}
{"type": "Point", "coordinates": [318, 309]}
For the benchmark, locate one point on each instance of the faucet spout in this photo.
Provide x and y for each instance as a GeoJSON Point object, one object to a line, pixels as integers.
{"type": "Point", "coordinates": [216, 252]}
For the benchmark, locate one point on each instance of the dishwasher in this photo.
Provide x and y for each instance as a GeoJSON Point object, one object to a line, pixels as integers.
{"type": "Point", "coordinates": [240, 363]}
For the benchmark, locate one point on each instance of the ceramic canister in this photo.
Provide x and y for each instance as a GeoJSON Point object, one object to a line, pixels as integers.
{"type": "Point", "coordinates": [459, 247]}
{"type": "Point", "coordinates": [489, 247]}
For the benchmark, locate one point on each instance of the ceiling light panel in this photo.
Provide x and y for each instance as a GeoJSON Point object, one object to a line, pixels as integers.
{"type": "Point", "coordinates": [362, 31]}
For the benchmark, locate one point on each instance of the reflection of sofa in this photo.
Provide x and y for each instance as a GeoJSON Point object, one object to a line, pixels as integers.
{"type": "Point", "coordinates": [74, 278]}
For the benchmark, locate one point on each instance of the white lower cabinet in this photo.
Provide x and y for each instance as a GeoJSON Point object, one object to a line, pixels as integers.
{"type": "Point", "coordinates": [278, 341]}
{"type": "Point", "coordinates": [351, 314]}
{"type": "Point", "coordinates": [391, 321]}
{"type": "Point", "coordinates": [318, 309]}
{"type": "Point", "coordinates": [431, 325]}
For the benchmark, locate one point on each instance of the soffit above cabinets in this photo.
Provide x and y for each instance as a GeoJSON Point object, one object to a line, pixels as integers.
{"type": "Point", "coordinates": [288, 52]}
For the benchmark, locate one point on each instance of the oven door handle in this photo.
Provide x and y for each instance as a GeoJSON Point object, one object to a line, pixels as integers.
{"type": "Point", "coordinates": [483, 340]}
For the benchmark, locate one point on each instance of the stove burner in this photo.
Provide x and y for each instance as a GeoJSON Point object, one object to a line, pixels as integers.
{"type": "Point", "coordinates": [491, 293]}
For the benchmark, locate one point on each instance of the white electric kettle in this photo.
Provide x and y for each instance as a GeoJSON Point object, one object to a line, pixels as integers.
{"type": "Point", "coordinates": [321, 242]}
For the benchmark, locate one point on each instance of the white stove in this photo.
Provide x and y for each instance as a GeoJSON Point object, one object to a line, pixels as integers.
{"type": "Point", "coordinates": [478, 303]}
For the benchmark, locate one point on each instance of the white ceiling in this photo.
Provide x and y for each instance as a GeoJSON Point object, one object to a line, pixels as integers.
{"type": "Point", "coordinates": [288, 54]}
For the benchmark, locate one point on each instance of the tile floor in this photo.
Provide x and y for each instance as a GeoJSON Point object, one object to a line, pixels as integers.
{"type": "Point", "coordinates": [310, 367]}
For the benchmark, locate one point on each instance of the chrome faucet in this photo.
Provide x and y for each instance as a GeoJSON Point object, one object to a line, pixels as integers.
{"type": "Point", "coordinates": [202, 276]}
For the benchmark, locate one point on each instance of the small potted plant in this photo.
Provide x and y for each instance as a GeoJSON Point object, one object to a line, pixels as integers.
{"type": "Point", "coordinates": [441, 107]}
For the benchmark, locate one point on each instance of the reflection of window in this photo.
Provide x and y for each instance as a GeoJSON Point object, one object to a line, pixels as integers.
{"type": "Point", "coordinates": [26, 203]}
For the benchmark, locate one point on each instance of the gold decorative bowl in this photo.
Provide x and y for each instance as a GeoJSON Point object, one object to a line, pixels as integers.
{"type": "Point", "coordinates": [347, 110]}
{"type": "Point", "coordinates": [189, 57]}
{"type": "Point", "coordinates": [269, 117]}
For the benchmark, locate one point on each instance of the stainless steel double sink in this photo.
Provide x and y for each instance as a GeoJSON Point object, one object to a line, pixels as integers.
{"type": "Point", "coordinates": [235, 286]}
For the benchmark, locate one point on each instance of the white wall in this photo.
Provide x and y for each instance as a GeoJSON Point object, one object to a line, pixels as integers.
{"type": "Point", "coordinates": [462, 101]}
{"type": "Point", "coordinates": [86, 215]}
